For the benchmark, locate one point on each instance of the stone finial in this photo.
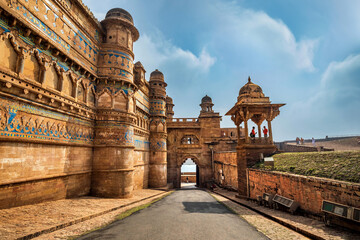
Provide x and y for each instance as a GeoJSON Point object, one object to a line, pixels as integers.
{"type": "Point", "coordinates": [249, 79]}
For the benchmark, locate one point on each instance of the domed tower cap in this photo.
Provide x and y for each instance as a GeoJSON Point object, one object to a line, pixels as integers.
{"type": "Point", "coordinates": [121, 16]}
{"type": "Point", "coordinates": [157, 76]}
{"type": "Point", "coordinates": [138, 64]}
{"type": "Point", "coordinates": [251, 93]}
{"type": "Point", "coordinates": [206, 99]}
{"type": "Point", "coordinates": [119, 13]}
{"type": "Point", "coordinates": [168, 99]}
{"type": "Point", "coordinates": [250, 89]}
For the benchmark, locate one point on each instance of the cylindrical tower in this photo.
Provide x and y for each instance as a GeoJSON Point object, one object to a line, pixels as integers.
{"type": "Point", "coordinates": [116, 54]}
{"type": "Point", "coordinates": [113, 164]}
{"type": "Point", "coordinates": [158, 154]}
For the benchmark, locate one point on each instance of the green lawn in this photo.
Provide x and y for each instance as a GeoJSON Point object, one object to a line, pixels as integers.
{"type": "Point", "coordinates": [337, 165]}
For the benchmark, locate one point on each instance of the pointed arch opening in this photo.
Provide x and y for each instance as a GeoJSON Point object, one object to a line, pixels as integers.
{"type": "Point", "coordinates": [104, 100]}
{"type": "Point", "coordinates": [189, 173]}
{"type": "Point", "coordinates": [81, 93]}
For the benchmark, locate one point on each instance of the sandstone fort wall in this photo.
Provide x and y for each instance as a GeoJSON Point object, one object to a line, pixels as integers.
{"type": "Point", "coordinates": [308, 191]}
{"type": "Point", "coordinates": [39, 172]}
{"type": "Point", "coordinates": [225, 165]}
{"type": "Point", "coordinates": [51, 60]}
{"type": "Point", "coordinates": [188, 177]}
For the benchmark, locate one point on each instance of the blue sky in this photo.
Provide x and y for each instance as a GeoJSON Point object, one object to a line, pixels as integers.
{"type": "Point", "coordinates": [302, 53]}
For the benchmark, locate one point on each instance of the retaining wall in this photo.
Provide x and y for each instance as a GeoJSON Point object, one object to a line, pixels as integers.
{"type": "Point", "coordinates": [308, 191]}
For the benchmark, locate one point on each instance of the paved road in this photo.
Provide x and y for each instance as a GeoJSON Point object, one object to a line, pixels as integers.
{"type": "Point", "coordinates": [186, 214]}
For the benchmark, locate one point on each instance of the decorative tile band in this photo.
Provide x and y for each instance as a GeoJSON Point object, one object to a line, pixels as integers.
{"type": "Point", "coordinates": [29, 122]}
{"type": "Point", "coordinates": [141, 143]}
{"type": "Point", "coordinates": [43, 28]}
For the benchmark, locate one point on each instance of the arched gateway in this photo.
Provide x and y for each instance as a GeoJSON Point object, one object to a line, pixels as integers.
{"type": "Point", "coordinates": [212, 147]}
{"type": "Point", "coordinates": [192, 138]}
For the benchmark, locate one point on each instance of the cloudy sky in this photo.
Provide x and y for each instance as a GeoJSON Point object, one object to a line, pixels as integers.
{"type": "Point", "coordinates": [302, 53]}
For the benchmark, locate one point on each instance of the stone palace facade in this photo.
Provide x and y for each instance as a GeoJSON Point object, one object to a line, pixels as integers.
{"type": "Point", "coordinates": [78, 117]}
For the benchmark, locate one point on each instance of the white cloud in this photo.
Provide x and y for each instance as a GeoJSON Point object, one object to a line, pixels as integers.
{"type": "Point", "coordinates": [157, 51]}
{"type": "Point", "coordinates": [334, 108]}
{"type": "Point", "coordinates": [265, 36]}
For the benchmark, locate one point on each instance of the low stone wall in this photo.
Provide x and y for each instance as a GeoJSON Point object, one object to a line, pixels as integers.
{"type": "Point", "coordinates": [286, 147]}
{"type": "Point", "coordinates": [188, 177]}
{"type": "Point", "coordinates": [308, 191]}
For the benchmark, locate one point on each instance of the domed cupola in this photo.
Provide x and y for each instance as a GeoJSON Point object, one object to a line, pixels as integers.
{"type": "Point", "coordinates": [119, 13]}
{"type": "Point", "coordinates": [156, 76]}
{"type": "Point", "coordinates": [169, 99]}
{"type": "Point", "coordinates": [251, 92]}
{"type": "Point", "coordinates": [206, 99]}
{"type": "Point", "coordinates": [116, 56]}
{"type": "Point", "coordinates": [119, 27]}
{"type": "Point", "coordinates": [157, 84]}
{"type": "Point", "coordinates": [206, 105]}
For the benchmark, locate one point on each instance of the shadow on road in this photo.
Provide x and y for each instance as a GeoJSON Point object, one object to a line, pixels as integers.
{"type": "Point", "coordinates": [205, 207]}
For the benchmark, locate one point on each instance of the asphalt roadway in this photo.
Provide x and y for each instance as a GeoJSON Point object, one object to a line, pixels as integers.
{"type": "Point", "coordinates": [189, 213]}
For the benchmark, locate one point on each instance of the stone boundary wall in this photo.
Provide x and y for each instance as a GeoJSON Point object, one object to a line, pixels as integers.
{"type": "Point", "coordinates": [301, 148]}
{"type": "Point", "coordinates": [225, 164]}
{"type": "Point", "coordinates": [308, 191]}
{"type": "Point", "coordinates": [191, 177]}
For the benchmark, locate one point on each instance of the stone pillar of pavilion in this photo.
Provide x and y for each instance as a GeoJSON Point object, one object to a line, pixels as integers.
{"type": "Point", "coordinates": [252, 105]}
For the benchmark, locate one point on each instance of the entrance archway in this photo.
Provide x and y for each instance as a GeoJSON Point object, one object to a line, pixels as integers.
{"type": "Point", "coordinates": [179, 163]}
{"type": "Point", "coordinates": [189, 174]}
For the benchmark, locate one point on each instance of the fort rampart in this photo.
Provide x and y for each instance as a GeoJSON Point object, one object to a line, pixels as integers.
{"type": "Point", "coordinates": [308, 191]}
{"type": "Point", "coordinates": [75, 111]}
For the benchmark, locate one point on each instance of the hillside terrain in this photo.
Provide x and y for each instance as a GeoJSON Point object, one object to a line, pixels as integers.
{"type": "Point", "coordinates": [340, 165]}
{"type": "Point", "coordinates": [339, 144]}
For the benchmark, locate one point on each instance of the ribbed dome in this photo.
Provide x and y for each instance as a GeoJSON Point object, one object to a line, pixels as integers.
{"type": "Point", "coordinates": [206, 99]}
{"type": "Point", "coordinates": [157, 75]}
{"type": "Point", "coordinates": [119, 13]}
{"type": "Point", "coordinates": [251, 90]}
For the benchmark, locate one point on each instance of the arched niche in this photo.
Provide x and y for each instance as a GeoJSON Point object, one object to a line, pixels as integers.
{"type": "Point", "coordinates": [131, 105]}
{"type": "Point", "coordinates": [160, 127]}
{"type": "Point", "coordinates": [68, 85]}
{"type": "Point", "coordinates": [120, 101]}
{"type": "Point", "coordinates": [32, 68]}
{"type": "Point", "coordinates": [153, 126]}
{"type": "Point", "coordinates": [189, 140]}
{"type": "Point", "coordinates": [8, 56]}
{"type": "Point", "coordinates": [81, 92]}
{"type": "Point", "coordinates": [104, 100]}
{"type": "Point", "coordinates": [91, 97]}
{"type": "Point", "coordinates": [52, 77]}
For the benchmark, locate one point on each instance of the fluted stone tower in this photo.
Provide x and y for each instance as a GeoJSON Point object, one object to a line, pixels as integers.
{"type": "Point", "coordinates": [113, 164]}
{"type": "Point", "coordinates": [158, 154]}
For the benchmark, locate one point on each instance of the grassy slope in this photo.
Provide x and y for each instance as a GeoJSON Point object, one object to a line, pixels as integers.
{"type": "Point", "coordinates": [337, 165]}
